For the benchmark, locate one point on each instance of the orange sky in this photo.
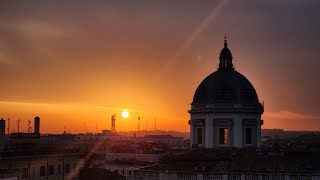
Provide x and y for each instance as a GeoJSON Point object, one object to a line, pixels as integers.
{"type": "Point", "coordinates": [78, 62]}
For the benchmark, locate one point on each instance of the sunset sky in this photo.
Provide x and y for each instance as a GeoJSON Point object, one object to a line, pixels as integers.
{"type": "Point", "coordinates": [77, 61]}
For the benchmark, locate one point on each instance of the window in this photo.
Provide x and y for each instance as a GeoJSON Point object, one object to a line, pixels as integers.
{"type": "Point", "coordinates": [51, 170]}
{"type": "Point", "coordinates": [223, 136]}
{"type": "Point", "coordinates": [199, 135]}
{"type": "Point", "coordinates": [67, 168]}
{"type": "Point", "coordinates": [248, 136]}
{"type": "Point", "coordinates": [42, 171]}
{"type": "Point", "coordinates": [59, 169]}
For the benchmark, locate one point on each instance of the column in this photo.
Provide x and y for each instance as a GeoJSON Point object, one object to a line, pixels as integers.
{"type": "Point", "coordinates": [237, 132]}
{"type": "Point", "coordinates": [209, 133]}
{"type": "Point", "coordinates": [258, 132]}
{"type": "Point", "coordinates": [191, 134]}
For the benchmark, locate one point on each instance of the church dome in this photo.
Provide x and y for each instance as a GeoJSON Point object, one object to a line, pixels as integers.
{"type": "Point", "coordinates": [226, 86]}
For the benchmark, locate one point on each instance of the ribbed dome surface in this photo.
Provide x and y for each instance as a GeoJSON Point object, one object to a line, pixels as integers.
{"type": "Point", "coordinates": [225, 86]}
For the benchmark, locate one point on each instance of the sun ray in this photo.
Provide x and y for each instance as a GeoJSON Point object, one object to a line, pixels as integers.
{"type": "Point", "coordinates": [194, 35]}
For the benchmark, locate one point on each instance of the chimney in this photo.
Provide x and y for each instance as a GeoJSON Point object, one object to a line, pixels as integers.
{"type": "Point", "coordinates": [2, 127]}
{"type": "Point", "coordinates": [37, 125]}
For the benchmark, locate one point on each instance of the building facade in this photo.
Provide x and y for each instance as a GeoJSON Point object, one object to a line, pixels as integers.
{"type": "Point", "coordinates": [53, 166]}
{"type": "Point", "coordinates": [225, 111]}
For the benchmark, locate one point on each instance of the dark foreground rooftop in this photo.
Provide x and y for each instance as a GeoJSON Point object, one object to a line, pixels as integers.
{"type": "Point", "coordinates": [244, 160]}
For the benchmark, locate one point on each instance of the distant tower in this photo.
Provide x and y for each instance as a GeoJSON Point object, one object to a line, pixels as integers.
{"type": "Point", "coordinates": [2, 133]}
{"type": "Point", "coordinates": [138, 125]}
{"type": "Point", "coordinates": [113, 122]}
{"type": "Point", "coordinates": [2, 127]}
{"type": "Point", "coordinates": [96, 127]}
{"type": "Point", "coordinates": [8, 126]}
{"type": "Point", "coordinates": [146, 124]}
{"type": "Point", "coordinates": [37, 125]}
{"type": "Point", "coordinates": [18, 125]}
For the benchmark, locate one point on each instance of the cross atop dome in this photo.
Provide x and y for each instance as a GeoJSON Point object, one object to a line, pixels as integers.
{"type": "Point", "coordinates": [225, 41]}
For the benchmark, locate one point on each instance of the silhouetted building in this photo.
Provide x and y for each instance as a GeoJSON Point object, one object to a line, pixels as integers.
{"type": "Point", "coordinates": [2, 127]}
{"type": "Point", "coordinates": [225, 111]}
{"type": "Point", "coordinates": [37, 125]}
{"type": "Point", "coordinates": [2, 133]}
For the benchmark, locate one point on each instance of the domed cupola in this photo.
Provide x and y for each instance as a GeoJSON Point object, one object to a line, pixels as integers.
{"type": "Point", "coordinates": [225, 57]}
{"type": "Point", "coordinates": [225, 87]}
{"type": "Point", "coordinates": [225, 111]}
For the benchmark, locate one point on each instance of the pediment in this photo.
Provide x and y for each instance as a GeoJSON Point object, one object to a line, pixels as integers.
{"type": "Point", "coordinates": [223, 122]}
{"type": "Point", "coordinates": [249, 122]}
{"type": "Point", "coordinates": [198, 122]}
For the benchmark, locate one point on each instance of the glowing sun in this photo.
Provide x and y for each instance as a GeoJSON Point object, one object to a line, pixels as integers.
{"type": "Point", "coordinates": [125, 114]}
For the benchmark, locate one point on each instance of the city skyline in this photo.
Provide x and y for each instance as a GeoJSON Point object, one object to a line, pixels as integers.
{"type": "Point", "coordinates": [80, 62]}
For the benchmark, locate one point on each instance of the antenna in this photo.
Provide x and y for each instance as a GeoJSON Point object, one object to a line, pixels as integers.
{"type": "Point", "coordinates": [29, 126]}
{"type": "Point", "coordinates": [9, 126]}
{"type": "Point", "coordinates": [18, 125]}
{"type": "Point", "coordinates": [106, 125]}
{"type": "Point", "coordinates": [138, 125]}
{"type": "Point", "coordinates": [84, 127]}
{"type": "Point", "coordinates": [155, 123]}
{"type": "Point", "coordinates": [146, 124]}
{"type": "Point", "coordinates": [96, 127]}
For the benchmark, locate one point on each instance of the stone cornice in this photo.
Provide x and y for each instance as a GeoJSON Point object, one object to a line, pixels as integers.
{"type": "Point", "coordinates": [227, 108]}
{"type": "Point", "coordinates": [226, 111]}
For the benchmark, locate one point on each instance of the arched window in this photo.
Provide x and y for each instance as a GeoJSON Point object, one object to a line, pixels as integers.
{"type": "Point", "coordinates": [248, 135]}
{"type": "Point", "coordinates": [200, 135]}
{"type": "Point", "coordinates": [223, 135]}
